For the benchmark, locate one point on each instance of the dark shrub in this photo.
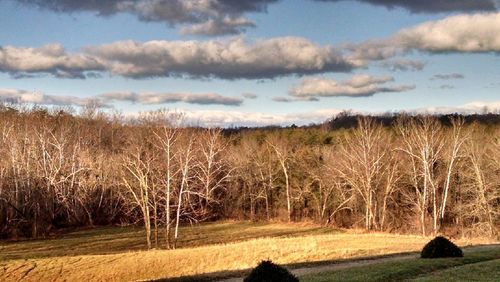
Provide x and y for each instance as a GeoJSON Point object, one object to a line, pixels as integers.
{"type": "Point", "coordinates": [267, 271]}
{"type": "Point", "coordinates": [440, 247]}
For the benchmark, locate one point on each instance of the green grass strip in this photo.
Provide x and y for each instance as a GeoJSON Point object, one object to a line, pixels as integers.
{"type": "Point", "coordinates": [405, 269]}
{"type": "Point", "coordinates": [481, 271]}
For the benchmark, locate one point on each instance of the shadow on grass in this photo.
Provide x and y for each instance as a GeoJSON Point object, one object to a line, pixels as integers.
{"type": "Point", "coordinates": [113, 240]}
{"type": "Point", "coordinates": [473, 254]}
{"type": "Point", "coordinates": [412, 268]}
{"type": "Point", "coordinates": [215, 276]}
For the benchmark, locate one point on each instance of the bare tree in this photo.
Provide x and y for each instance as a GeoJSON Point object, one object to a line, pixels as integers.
{"type": "Point", "coordinates": [283, 152]}
{"type": "Point", "coordinates": [482, 193]}
{"type": "Point", "coordinates": [137, 176]}
{"type": "Point", "coordinates": [331, 195]}
{"type": "Point", "coordinates": [392, 177]}
{"type": "Point", "coordinates": [59, 170]}
{"type": "Point", "coordinates": [213, 171]}
{"type": "Point", "coordinates": [362, 165]}
{"type": "Point", "coordinates": [423, 142]}
{"type": "Point", "coordinates": [166, 139]}
{"type": "Point", "coordinates": [248, 164]}
{"type": "Point", "coordinates": [458, 138]}
{"type": "Point", "coordinates": [186, 159]}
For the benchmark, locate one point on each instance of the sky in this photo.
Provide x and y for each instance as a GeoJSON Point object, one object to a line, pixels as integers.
{"type": "Point", "coordinates": [251, 63]}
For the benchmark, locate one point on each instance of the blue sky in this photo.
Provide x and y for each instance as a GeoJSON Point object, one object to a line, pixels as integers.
{"type": "Point", "coordinates": [301, 61]}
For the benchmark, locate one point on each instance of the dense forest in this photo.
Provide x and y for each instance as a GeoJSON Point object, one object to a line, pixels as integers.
{"type": "Point", "coordinates": [401, 173]}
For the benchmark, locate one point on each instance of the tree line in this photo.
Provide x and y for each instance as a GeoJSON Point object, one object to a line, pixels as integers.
{"type": "Point", "coordinates": [416, 174]}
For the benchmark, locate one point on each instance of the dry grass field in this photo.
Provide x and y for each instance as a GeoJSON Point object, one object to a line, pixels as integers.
{"type": "Point", "coordinates": [117, 254]}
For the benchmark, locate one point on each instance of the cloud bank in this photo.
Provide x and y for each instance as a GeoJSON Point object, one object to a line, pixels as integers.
{"type": "Point", "coordinates": [202, 17]}
{"type": "Point", "coordinates": [221, 118]}
{"type": "Point", "coordinates": [212, 118]}
{"type": "Point", "coordinates": [106, 100]}
{"type": "Point", "coordinates": [223, 17]}
{"type": "Point", "coordinates": [226, 59]}
{"type": "Point", "coordinates": [477, 33]}
{"type": "Point", "coordinates": [360, 85]}
{"type": "Point", "coordinates": [432, 6]}
{"type": "Point", "coordinates": [48, 59]}
{"type": "Point", "coordinates": [19, 96]}
{"type": "Point", "coordinates": [229, 59]}
{"type": "Point", "coordinates": [462, 33]}
{"type": "Point", "coordinates": [169, 98]}
{"type": "Point", "coordinates": [237, 58]}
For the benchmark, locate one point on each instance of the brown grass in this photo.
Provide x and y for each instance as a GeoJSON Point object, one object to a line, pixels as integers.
{"type": "Point", "coordinates": [142, 265]}
{"type": "Point", "coordinates": [113, 240]}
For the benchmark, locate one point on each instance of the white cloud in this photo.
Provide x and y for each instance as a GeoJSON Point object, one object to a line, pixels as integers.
{"type": "Point", "coordinates": [360, 54]}
{"type": "Point", "coordinates": [460, 33]}
{"type": "Point", "coordinates": [49, 59]}
{"type": "Point", "coordinates": [168, 98]}
{"type": "Point", "coordinates": [218, 17]}
{"type": "Point", "coordinates": [224, 118]}
{"type": "Point", "coordinates": [483, 107]}
{"type": "Point", "coordinates": [281, 99]}
{"type": "Point", "coordinates": [225, 59]}
{"type": "Point", "coordinates": [19, 96]}
{"type": "Point", "coordinates": [403, 65]}
{"type": "Point", "coordinates": [360, 85]}
{"type": "Point", "coordinates": [448, 76]}
{"type": "Point", "coordinates": [229, 59]}
{"type": "Point", "coordinates": [249, 95]}
{"type": "Point", "coordinates": [105, 100]}
{"type": "Point", "coordinates": [236, 58]}
{"type": "Point", "coordinates": [476, 107]}
{"type": "Point", "coordinates": [207, 17]}
{"type": "Point", "coordinates": [238, 118]}
{"type": "Point", "coordinates": [216, 27]}
{"type": "Point", "coordinates": [210, 118]}
{"type": "Point", "coordinates": [219, 118]}
{"type": "Point", "coordinates": [477, 33]}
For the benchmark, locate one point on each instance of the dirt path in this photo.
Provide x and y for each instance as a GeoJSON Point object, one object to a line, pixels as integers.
{"type": "Point", "coordinates": [362, 262]}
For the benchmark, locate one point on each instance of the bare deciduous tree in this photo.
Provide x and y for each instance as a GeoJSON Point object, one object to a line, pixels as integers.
{"type": "Point", "coordinates": [482, 192]}
{"type": "Point", "coordinates": [137, 177]}
{"type": "Point", "coordinates": [166, 136]}
{"type": "Point", "coordinates": [457, 140]}
{"type": "Point", "coordinates": [283, 152]}
{"type": "Point", "coordinates": [423, 142]}
{"type": "Point", "coordinates": [213, 171]}
{"type": "Point", "coordinates": [185, 159]}
{"type": "Point", "coordinates": [362, 165]}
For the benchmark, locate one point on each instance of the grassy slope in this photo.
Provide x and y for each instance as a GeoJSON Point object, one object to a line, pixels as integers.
{"type": "Point", "coordinates": [449, 269]}
{"type": "Point", "coordinates": [112, 240]}
{"type": "Point", "coordinates": [113, 254]}
{"type": "Point", "coordinates": [482, 271]}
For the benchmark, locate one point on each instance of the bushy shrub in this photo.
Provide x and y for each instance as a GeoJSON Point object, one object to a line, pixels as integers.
{"type": "Point", "coordinates": [440, 247]}
{"type": "Point", "coordinates": [267, 271]}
